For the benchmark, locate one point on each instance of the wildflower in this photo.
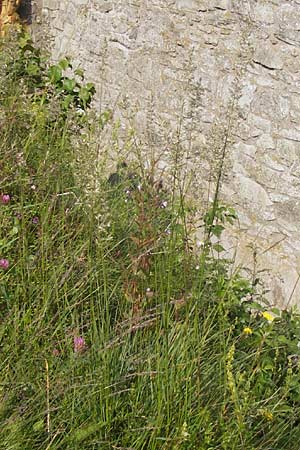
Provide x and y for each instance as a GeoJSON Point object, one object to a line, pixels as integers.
{"type": "Point", "coordinates": [197, 267]}
{"type": "Point", "coordinates": [35, 220]}
{"type": "Point", "coordinates": [164, 204]}
{"type": "Point", "coordinates": [79, 344]}
{"type": "Point", "coordinates": [149, 293]}
{"type": "Point", "coordinates": [5, 198]}
{"type": "Point", "coordinates": [55, 352]}
{"type": "Point", "coordinates": [266, 315]}
{"type": "Point", "coordinates": [33, 187]}
{"type": "Point", "coordinates": [247, 330]}
{"type": "Point", "coordinates": [4, 263]}
{"type": "Point", "coordinates": [20, 159]}
{"type": "Point", "coordinates": [266, 414]}
{"type": "Point", "coordinates": [184, 431]}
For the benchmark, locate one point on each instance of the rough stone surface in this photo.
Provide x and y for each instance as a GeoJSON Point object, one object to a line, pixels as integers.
{"type": "Point", "coordinates": [214, 67]}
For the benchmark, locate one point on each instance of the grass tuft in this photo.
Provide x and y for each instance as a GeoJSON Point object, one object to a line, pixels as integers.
{"type": "Point", "coordinates": [115, 331]}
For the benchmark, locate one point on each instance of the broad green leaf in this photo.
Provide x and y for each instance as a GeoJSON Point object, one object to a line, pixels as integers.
{"type": "Point", "coordinates": [55, 74]}
{"type": "Point", "coordinates": [69, 84]}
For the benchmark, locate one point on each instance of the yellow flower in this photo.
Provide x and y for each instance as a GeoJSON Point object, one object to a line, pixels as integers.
{"type": "Point", "coordinates": [268, 316]}
{"type": "Point", "coordinates": [266, 414]}
{"type": "Point", "coordinates": [247, 330]}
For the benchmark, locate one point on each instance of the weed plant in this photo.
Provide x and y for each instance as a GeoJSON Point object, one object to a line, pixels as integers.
{"type": "Point", "coordinates": [115, 333]}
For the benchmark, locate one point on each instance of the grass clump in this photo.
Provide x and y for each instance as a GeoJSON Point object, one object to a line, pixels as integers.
{"type": "Point", "coordinates": [115, 333]}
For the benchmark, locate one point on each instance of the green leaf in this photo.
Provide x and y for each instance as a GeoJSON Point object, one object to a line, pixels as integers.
{"type": "Point", "coordinates": [38, 426]}
{"type": "Point", "coordinates": [79, 72]}
{"type": "Point", "coordinates": [25, 42]}
{"type": "Point", "coordinates": [90, 87]}
{"type": "Point", "coordinates": [255, 305]}
{"type": "Point", "coordinates": [276, 311]}
{"type": "Point", "coordinates": [65, 64]}
{"type": "Point", "coordinates": [55, 74]}
{"type": "Point", "coordinates": [67, 101]}
{"type": "Point", "coordinates": [217, 230]}
{"type": "Point", "coordinates": [219, 248]}
{"type": "Point", "coordinates": [282, 339]}
{"type": "Point", "coordinates": [85, 96]}
{"type": "Point", "coordinates": [14, 230]}
{"type": "Point", "coordinates": [69, 84]}
{"type": "Point", "coordinates": [267, 364]}
{"type": "Point", "coordinates": [83, 433]}
{"type": "Point", "coordinates": [33, 69]}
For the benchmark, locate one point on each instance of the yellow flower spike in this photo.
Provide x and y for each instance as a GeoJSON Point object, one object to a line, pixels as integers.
{"type": "Point", "coordinates": [266, 315]}
{"type": "Point", "coordinates": [247, 330]}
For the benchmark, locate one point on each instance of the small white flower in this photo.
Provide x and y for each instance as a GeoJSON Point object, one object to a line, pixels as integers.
{"type": "Point", "coordinates": [33, 187]}
{"type": "Point", "coordinates": [149, 293]}
{"type": "Point", "coordinates": [164, 204]}
{"type": "Point", "coordinates": [197, 267]}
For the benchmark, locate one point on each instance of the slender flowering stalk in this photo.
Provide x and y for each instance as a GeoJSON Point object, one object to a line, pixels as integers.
{"type": "Point", "coordinates": [4, 263]}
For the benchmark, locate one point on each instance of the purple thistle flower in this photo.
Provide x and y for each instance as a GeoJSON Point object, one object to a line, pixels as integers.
{"type": "Point", "coordinates": [4, 263]}
{"type": "Point", "coordinates": [5, 198]}
{"type": "Point", "coordinates": [79, 344]}
{"type": "Point", "coordinates": [35, 220]}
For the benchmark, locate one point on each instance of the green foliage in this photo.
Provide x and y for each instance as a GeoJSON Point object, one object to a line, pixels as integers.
{"type": "Point", "coordinates": [26, 64]}
{"type": "Point", "coordinates": [114, 331]}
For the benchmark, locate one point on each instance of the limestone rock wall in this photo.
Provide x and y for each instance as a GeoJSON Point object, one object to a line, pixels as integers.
{"type": "Point", "coordinates": [194, 71]}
